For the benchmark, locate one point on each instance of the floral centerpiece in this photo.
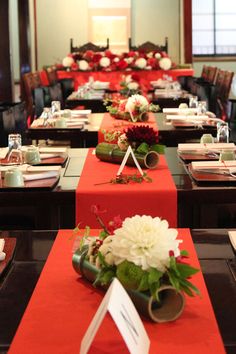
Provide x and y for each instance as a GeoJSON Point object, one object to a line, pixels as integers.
{"type": "Point", "coordinates": [109, 61]}
{"type": "Point", "coordinates": [144, 254]}
{"type": "Point", "coordinates": [143, 141]}
{"type": "Point", "coordinates": [134, 108]}
{"type": "Point", "coordinates": [130, 85]}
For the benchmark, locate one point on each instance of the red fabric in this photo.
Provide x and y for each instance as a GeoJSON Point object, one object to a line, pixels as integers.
{"type": "Point", "coordinates": [115, 77]}
{"type": "Point", "coordinates": [110, 123]}
{"type": "Point", "coordinates": [63, 305]}
{"type": "Point", "coordinates": [158, 198]}
{"type": "Point", "coordinates": [44, 78]}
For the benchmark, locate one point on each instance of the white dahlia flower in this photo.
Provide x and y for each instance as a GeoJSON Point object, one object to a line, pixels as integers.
{"type": "Point", "coordinates": [135, 100]}
{"type": "Point", "coordinates": [157, 55]}
{"type": "Point", "coordinates": [165, 63]}
{"type": "Point", "coordinates": [133, 85]}
{"type": "Point", "coordinates": [83, 65]}
{"type": "Point", "coordinates": [141, 63]}
{"type": "Point", "coordinates": [104, 62]}
{"type": "Point", "coordinates": [146, 242]}
{"type": "Point", "coordinates": [67, 62]}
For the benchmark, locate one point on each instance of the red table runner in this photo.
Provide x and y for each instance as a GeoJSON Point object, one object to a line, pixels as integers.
{"type": "Point", "coordinates": [115, 77]}
{"type": "Point", "coordinates": [110, 124]}
{"type": "Point", "coordinates": [158, 198]}
{"type": "Point", "coordinates": [63, 305]}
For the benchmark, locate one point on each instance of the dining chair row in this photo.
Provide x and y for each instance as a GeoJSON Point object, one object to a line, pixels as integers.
{"type": "Point", "coordinates": [213, 86]}
{"type": "Point", "coordinates": [37, 95]}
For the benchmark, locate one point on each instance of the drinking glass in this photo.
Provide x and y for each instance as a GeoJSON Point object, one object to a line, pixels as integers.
{"type": "Point", "coordinates": [202, 107]}
{"type": "Point", "coordinates": [14, 145]}
{"type": "Point", "coordinates": [55, 106]}
{"type": "Point", "coordinates": [222, 132]}
{"type": "Point", "coordinates": [193, 102]}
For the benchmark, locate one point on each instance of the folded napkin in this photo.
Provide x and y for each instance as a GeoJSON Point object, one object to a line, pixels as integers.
{"type": "Point", "coordinates": [187, 118]}
{"type": "Point", "coordinates": [59, 150]}
{"type": "Point", "coordinates": [48, 156]}
{"type": "Point", "coordinates": [179, 110]}
{"type": "Point", "coordinates": [232, 237]}
{"type": "Point", "coordinates": [75, 124]}
{"type": "Point", "coordinates": [206, 147]}
{"type": "Point", "coordinates": [82, 112]}
{"type": "Point", "coordinates": [42, 175]}
{"type": "Point", "coordinates": [214, 165]}
{"type": "Point", "coordinates": [3, 152]}
{"type": "Point", "coordinates": [97, 85]}
{"type": "Point", "coordinates": [29, 168]}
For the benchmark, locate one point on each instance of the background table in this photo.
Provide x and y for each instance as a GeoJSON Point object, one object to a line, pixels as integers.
{"type": "Point", "coordinates": [115, 77]}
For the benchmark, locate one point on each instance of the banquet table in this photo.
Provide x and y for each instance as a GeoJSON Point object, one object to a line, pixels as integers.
{"type": "Point", "coordinates": [199, 206]}
{"type": "Point", "coordinates": [115, 77]}
{"type": "Point", "coordinates": [66, 310]}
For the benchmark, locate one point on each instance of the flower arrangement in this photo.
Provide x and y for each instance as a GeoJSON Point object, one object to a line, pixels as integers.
{"type": "Point", "coordinates": [144, 143]}
{"type": "Point", "coordinates": [109, 61]}
{"type": "Point", "coordinates": [134, 108]}
{"type": "Point", "coordinates": [130, 85]}
{"type": "Point", "coordinates": [142, 252]}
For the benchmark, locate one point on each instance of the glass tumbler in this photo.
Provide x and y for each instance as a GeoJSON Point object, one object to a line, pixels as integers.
{"type": "Point", "coordinates": [193, 102]}
{"type": "Point", "coordinates": [222, 132]}
{"type": "Point", "coordinates": [14, 145]}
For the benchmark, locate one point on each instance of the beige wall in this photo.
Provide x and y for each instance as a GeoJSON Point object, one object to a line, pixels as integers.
{"type": "Point", "coordinates": [154, 20]}
{"type": "Point", "coordinates": [57, 22]}
{"type": "Point", "coordinates": [60, 20]}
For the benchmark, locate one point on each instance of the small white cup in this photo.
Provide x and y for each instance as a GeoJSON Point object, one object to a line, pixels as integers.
{"type": "Point", "coordinates": [13, 178]}
{"type": "Point", "coordinates": [32, 155]}
{"type": "Point", "coordinates": [207, 139]}
{"type": "Point", "coordinates": [60, 123]}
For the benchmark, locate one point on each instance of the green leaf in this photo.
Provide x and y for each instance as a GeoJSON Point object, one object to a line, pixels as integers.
{"type": "Point", "coordinates": [160, 149]}
{"type": "Point", "coordinates": [143, 148]}
{"type": "Point", "coordinates": [103, 234]}
{"type": "Point", "coordinates": [184, 253]}
{"type": "Point", "coordinates": [143, 285]}
{"type": "Point", "coordinates": [154, 275]}
{"type": "Point", "coordinates": [107, 276]}
{"type": "Point", "coordinates": [186, 283]}
{"type": "Point", "coordinates": [87, 231]}
{"type": "Point", "coordinates": [153, 289]}
{"type": "Point", "coordinates": [173, 266]}
{"type": "Point", "coordinates": [186, 270]}
{"type": "Point", "coordinates": [173, 280]}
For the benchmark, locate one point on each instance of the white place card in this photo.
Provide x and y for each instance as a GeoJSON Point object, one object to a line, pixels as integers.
{"type": "Point", "coordinates": [124, 161]}
{"type": "Point", "coordinates": [122, 310]}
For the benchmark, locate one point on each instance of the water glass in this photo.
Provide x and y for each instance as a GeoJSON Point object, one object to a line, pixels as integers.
{"type": "Point", "coordinates": [227, 155]}
{"type": "Point", "coordinates": [207, 139]}
{"type": "Point", "coordinates": [14, 145]}
{"type": "Point", "coordinates": [222, 132]}
{"type": "Point", "coordinates": [202, 107]}
{"type": "Point", "coordinates": [55, 106]}
{"type": "Point", "coordinates": [14, 141]}
{"type": "Point", "coordinates": [193, 102]}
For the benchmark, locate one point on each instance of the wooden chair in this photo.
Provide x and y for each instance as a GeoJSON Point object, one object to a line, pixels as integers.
{"type": "Point", "coordinates": [149, 46]}
{"type": "Point", "coordinates": [88, 46]}
{"type": "Point", "coordinates": [211, 74]}
{"type": "Point", "coordinates": [67, 84]}
{"type": "Point", "coordinates": [223, 94]}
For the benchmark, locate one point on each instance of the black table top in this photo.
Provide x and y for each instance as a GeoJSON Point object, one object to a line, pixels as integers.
{"type": "Point", "coordinates": [213, 247]}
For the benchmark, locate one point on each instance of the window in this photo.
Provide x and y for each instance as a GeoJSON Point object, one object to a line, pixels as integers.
{"type": "Point", "coordinates": [214, 27]}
